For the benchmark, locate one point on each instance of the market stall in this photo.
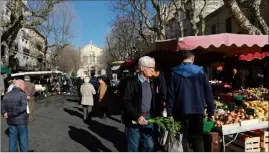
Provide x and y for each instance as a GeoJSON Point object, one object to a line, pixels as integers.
{"type": "Point", "coordinates": [239, 112]}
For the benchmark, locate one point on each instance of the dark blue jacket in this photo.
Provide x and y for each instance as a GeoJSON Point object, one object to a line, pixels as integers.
{"type": "Point", "coordinates": [188, 91]}
{"type": "Point", "coordinates": [14, 104]}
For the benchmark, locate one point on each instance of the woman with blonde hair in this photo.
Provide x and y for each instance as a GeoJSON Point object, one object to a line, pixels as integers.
{"type": "Point", "coordinates": [87, 91]}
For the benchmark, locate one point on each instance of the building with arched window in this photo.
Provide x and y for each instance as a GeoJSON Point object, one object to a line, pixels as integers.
{"type": "Point", "coordinates": [90, 58]}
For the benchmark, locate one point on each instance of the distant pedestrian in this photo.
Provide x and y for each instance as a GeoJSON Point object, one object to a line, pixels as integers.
{"type": "Point", "coordinates": [78, 84]}
{"type": "Point", "coordinates": [87, 91]}
{"type": "Point", "coordinates": [14, 110]}
{"type": "Point", "coordinates": [103, 96]}
{"type": "Point", "coordinates": [30, 92]}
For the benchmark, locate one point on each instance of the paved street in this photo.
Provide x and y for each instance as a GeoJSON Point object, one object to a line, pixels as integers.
{"type": "Point", "coordinates": [58, 127]}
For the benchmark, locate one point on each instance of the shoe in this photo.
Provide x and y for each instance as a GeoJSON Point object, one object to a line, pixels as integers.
{"type": "Point", "coordinates": [31, 150]}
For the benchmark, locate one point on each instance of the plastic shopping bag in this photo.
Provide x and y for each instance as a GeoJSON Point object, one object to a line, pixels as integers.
{"type": "Point", "coordinates": [163, 137]}
{"type": "Point", "coordinates": [27, 108]}
{"type": "Point", "coordinates": [174, 144]}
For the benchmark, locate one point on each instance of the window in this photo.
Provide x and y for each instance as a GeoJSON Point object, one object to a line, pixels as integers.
{"type": "Point", "coordinates": [93, 57]}
{"type": "Point", "coordinates": [213, 29]}
{"type": "Point", "coordinates": [7, 11]}
{"type": "Point", "coordinates": [229, 25]}
{"type": "Point", "coordinates": [90, 58]}
{"type": "Point", "coordinates": [23, 33]}
{"type": "Point", "coordinates": [85, 60]}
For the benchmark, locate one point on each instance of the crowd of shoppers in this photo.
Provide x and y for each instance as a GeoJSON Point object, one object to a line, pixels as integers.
{"type": "Point", "coordinates": [143, 96]}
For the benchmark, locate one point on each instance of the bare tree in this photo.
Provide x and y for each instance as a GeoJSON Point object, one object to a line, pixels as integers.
{"type": "Point", "coordinates": [237, 9]}
{"type": "Point", "coordinates": [57, 29]}
{"type": "Point", "coordinates": [68, 59]}
{"type": "Point", "coordinates": [23, 16]}
{"type": "Point", "coordinates": [123, 41]}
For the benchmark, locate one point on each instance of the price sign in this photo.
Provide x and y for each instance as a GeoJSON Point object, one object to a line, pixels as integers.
{"type": "Point", "coordinates": [250, 111]}
{"type": "Point", "coordinates": [231, 106]}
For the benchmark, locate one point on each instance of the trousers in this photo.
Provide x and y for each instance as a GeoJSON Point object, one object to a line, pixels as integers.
{"type": "Point", "coordinates": [18, 133]}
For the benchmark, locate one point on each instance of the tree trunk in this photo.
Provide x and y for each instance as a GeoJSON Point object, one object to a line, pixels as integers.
{"type": "Point", "coordinates": [255, 8]}
{"type": "Point", "coordinates": [240, 18]}
{"type": "Point", "coordinates": [202, 20]}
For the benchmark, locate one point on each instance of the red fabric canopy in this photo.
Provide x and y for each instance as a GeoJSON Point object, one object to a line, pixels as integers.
{"type": "Point", "coordinates": [128, 63]}
{"type": "Point", "coordinates": [224, 42]}
{"type": "Point", "coordinates": [252, 56]}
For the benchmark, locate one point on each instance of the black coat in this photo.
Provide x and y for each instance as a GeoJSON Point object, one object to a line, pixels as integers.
{"type": "Point", "coordinates": [132, 100]}
{"type": "Point", "coordinates": [14, 104]}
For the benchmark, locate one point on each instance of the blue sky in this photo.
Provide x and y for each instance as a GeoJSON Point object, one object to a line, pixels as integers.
{"type": "Point", "coordinates": [93, 20]}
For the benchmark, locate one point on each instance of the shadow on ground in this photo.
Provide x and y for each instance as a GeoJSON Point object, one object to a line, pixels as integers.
{"type": "Point", "coordinates": [73, 113]}
{"type": "Point", "coordinates": [86, 139]}
{"type": "Point", "coordinates": [73, 100]}
{"type": "Point", "coordinates": [109, 133]}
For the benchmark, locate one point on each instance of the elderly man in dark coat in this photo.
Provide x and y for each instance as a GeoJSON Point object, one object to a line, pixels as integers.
{"type": "Point", "coordinates": [14, 110]}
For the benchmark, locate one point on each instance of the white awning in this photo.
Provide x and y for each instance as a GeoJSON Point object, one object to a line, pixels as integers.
{"type": "Point", "coordinates": [37, 73]}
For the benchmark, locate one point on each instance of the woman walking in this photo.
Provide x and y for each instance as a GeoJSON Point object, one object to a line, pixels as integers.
{"type": "Point", "coordinates": [87, 91]}
{"type": "Point", "coordinates": [103, 96]}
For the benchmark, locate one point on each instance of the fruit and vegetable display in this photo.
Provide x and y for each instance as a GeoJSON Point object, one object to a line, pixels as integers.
{"type": "Point", "coordinates": [224, 117]}
{"type": "Point", "coordinates": [260, 109]}
{"type": "Point", "coordinates": [232, 114]}
{"type": "Point", "coordinates": [250, 94]}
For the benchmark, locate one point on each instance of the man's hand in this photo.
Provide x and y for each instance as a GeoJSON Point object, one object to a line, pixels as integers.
{"type": "Point", "coordinates": [5, 116]}
{"type": "Point", "coordinates": [28, 97]}
{"type": "Point", "coordinates": [212, 118]}
{"type": "Point", "coordinates": [142, 120]}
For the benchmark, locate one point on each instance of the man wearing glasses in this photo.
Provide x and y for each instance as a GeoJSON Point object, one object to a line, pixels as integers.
{"type": "Point", "coordinates": [139, 106]}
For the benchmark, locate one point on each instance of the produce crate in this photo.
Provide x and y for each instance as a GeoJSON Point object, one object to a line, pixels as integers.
{"type": "Point", "coordinates": [244, 143]}
{"type": "Point", "coordinates": [265, 141]}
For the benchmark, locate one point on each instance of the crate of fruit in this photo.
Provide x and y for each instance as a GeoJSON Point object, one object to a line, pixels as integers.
{"type": "Point", "coordinates": [244, 143]}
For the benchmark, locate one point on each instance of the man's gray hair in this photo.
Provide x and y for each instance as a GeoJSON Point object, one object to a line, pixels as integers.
{"type": "Point", "coordinates": [145, 60]}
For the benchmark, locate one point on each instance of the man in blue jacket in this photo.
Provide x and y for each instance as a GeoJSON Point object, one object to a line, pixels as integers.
{"type": "Point", "coordinates": [188, 91]}
{"type": "Point", "coordinates": [14, 110]}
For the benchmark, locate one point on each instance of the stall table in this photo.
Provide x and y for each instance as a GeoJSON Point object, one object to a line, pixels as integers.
{"type": "Point", "coordinates": [236, 129]}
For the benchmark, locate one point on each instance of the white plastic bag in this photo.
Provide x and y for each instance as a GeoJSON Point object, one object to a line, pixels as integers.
{"type": "Point", "coordinates": [163, 137]}
{"type": "Point", "coordinates": [27, 109]}
{"type": "Point", "coordinates": [174, 144]}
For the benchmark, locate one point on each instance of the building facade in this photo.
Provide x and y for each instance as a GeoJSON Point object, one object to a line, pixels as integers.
{"type": "Point", "coordinates": [91, 60]}
{"type": "Point", "coordinates": [218, 19]}
{"type": "Point", "coordinates": [26, 52]}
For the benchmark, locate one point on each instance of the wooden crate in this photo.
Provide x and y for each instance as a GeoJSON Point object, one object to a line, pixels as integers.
{"type": "Point", "coordinates": [243, 144]}
{"type": "Point", "coordinates": [265, 141]}
{"type": "Point", "coordinates": [264, 150]}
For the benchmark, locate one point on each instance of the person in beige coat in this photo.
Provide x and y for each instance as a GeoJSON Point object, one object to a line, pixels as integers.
{"type": "Point", "coordinates": [30, 92]}
{"type": "Point", "coordinates": [87, 91]}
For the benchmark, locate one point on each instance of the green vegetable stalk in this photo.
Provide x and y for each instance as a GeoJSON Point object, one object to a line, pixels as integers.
{"type": "Point", "coordinates": [166, 123]}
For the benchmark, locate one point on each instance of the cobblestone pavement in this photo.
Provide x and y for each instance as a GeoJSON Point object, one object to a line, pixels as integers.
{"type": "Point", "coordinates": [58, 127]}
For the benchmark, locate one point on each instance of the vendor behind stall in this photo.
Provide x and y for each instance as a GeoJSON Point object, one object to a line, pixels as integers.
{"type": "Point", "coordinates": [236, 80]}
{"type": "Point", "coordinates": [219, 74]}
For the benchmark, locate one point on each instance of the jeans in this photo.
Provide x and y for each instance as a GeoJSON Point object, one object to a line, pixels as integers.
{"type": "Point", "coordinates": [18, 133]}
{"type": "Point", "coordinates": [133, 135]}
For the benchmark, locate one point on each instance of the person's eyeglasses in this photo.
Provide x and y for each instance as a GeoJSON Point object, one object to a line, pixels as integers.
{"type": "Point", "coordinates": [151, 68]}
